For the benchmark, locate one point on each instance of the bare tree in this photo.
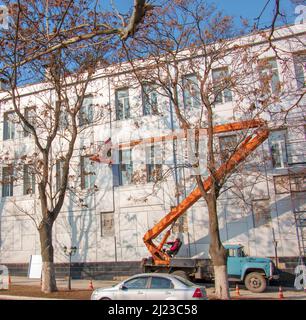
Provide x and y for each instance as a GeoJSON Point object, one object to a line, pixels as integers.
{"type": "Point", "coordinates": [194, 59]}
{"type": "Point", "coordinates": [52, 51]}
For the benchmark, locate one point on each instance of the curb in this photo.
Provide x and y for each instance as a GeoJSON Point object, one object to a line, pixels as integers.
{"type": "Point", "coordinates": [11, 297]}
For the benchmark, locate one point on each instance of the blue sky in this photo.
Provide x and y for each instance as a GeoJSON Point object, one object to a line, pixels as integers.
{"type": "Point", "coordinates": [252, 9]}
{"type": "Point", "coordinates": [249, 9]}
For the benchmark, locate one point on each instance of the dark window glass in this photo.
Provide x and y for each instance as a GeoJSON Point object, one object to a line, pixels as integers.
{"type": "Point", "coordinates": [161, 283]}
{"type": "Point", "coordinates": [137, 283]}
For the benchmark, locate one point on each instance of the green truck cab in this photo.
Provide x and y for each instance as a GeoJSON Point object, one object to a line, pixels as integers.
{"type": "Point", "coordinates": [255, 272]}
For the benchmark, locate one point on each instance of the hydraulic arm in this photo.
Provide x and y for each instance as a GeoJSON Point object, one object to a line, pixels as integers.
{"type": "Point", "coordinates": [250, 143]}
{"type": "Point", "coordinates": [244, 149]}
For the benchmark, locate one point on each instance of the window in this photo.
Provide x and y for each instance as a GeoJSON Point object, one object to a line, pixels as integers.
{"type": "Point", "coordinates": [285, 184]}
{"type": "Point", "coordinates": [149, 99]}
{"type": "Point", "coordinates": [300, 70]}
{"type": "Point", "coordinates": [277, 142]}
{"type": "Point", "coordinates": [28, 180]}
{"type": "Point", "coordinates": [86, 114]}
{"type": "Point", "coordinates": [8, 126]}
{"type": "Point", "coordinates": [7, 181]}
{"type": "Point", "coordinates": [63, 118]}
{"type": "Point", "coordinates": [228, 145]}
{"type": "Point", "coordinates": [191, 92]}
{"type": "Point", "coordinates": [298, 182]}
{"type": "Point", "coordinates": [87, 173]}
{"type": "Point", "coordinates": [161, 283]}
{"type": "Point", "coordinates": [261, 212]}
{"type": "Point", "coordinates": [231, 252]}
{"type": "Point", "coordinates": [107, 224]}
{"type": "Point", "coordinates": [281, 184]}
{"type": "Point", "coordinates": [153, 163]}
{"type": "Point", "coordinates": [269, 75]}
{"type": "Point", "coordinates": [125, 167]}
{"type": "Point", "coordinates": [221, 83]}
{"type": "Point", "coordinates": [29, 114]}
{"type": "Point", "coordinates": [240, 252]}
{"type": "Point", "coordinates": [59, 173]}
{"type": "Point", "coordinates": [137, 283]}
{"type": "Point", "coordinates": [122, 104]}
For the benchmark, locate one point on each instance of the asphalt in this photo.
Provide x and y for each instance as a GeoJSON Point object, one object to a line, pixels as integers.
{"type": "Point", "coordinates": [271, 292]}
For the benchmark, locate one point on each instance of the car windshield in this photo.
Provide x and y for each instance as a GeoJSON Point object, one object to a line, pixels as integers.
{"type": "Point", "coordinates": [184, 281]}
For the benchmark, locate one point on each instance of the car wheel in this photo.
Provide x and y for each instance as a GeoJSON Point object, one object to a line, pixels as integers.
{"type": "Point", "coordinates": [105, 298]}
{"type": "Point", "coordinates": [255, 282]}
{"type": "Point", "coordinates": [181, 274]}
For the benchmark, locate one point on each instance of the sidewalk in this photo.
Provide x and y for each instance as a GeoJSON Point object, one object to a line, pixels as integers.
{"type": "Point", "coordinates": [63, 283]}
{"type": "Point", "coordinates": [81, 284]}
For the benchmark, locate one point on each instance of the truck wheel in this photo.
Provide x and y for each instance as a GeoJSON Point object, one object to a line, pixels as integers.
{"type": "Point", "coordinates": [255, 282]}
{"type": "Point", "coordinates": [181, 274]}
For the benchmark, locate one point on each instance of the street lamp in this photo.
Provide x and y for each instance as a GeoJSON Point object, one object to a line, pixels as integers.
{"type": "Point", "coordinates": [69, 252]}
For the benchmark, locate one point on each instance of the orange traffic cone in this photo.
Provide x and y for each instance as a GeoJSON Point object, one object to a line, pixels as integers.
{"type": "Point", "coordinates": [280, 293]}
{"type": "Point", "coordinates": [237, 290]}
{"type": "Point", "coordinates": [91, 285]}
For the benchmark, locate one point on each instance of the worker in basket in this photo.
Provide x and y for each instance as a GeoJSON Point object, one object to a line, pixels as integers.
{"type": "Point", "coordinates": [175, 246]}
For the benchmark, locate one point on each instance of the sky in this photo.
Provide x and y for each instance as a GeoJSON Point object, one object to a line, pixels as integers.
{"type": "Point", "coordinates": [249, 9]}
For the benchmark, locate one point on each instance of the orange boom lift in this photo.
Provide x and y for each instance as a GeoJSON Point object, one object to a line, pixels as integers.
{"type": "Point", "coordinates": [245, 148]}
{"type": "Point", "coordinates": [249, 144]}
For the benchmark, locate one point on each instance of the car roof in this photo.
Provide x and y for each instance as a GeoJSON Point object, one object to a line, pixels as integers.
{"type": "Point", "coordinates": [159, 274]}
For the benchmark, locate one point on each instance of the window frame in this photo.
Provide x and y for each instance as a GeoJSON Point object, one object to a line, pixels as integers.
{"type": "Point", "coordinates": [112, 233]}
{"type": "Point", "coordinates": [8, 185]}
{"type": "Point", "coordinates": [156, 277]}
{"type": "Point", "coordinates": [217, 82]}
{"type": "Point", "coordinates": [8, 126]}
{"type": "Point", "coordinates": [186, 81]}
{"type": "Point", "coordinates": [85, 174]}
{"type": "Point", "coordinates": [27, 115]}
{"type": "Point", "coordinates": [282, 149]}
{"type": "Point", "coordinates": [229, 151]}
{"type": "Point", "coordinates": [129, 166]}
{"type": "Point", "coordinates": [86, 113]}
{"type": "Point", "coordinates": [29, 181]}
{"type": "Point", "coordinates": [126, 111]}
{"type": "Point", "coordinates": [270, 71]}
{"type": "Point", "coordinates": [299, 67]}
{"type": "Point", "coordinates": [141, 277]}
{"type": "Point", "coordinates": [151, 166]}
{"type": "Point", "coordinates": [147, 105]}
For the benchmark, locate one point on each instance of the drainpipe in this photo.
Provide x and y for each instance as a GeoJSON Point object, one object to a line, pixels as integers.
{"type": "Point", "coordinates": [113, 188]}
{"type": "Point", "coordinates": [174, 151]}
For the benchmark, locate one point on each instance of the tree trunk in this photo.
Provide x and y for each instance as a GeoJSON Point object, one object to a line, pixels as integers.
{"type": "Point", "coordinates": [48, 272]}
{"type": "Point", "coordinates": [217, 252]}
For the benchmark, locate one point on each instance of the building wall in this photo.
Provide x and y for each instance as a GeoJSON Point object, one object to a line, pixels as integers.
{"type": "Point", "coordinates": [135, 209]}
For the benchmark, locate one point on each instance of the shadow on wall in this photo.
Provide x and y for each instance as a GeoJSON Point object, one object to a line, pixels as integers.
{"type": "Point", "coordinates": [248, 221]}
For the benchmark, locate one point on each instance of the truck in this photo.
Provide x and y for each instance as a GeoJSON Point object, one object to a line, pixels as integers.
{"type": "Point", "coordinates": [254, 272]}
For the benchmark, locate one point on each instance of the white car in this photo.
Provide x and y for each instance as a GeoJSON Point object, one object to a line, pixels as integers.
{"type": "Point", "coordinates": [152, 286]}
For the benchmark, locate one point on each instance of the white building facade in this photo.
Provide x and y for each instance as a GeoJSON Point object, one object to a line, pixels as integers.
{"type": "Point", "coordinates": [121, 202]}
